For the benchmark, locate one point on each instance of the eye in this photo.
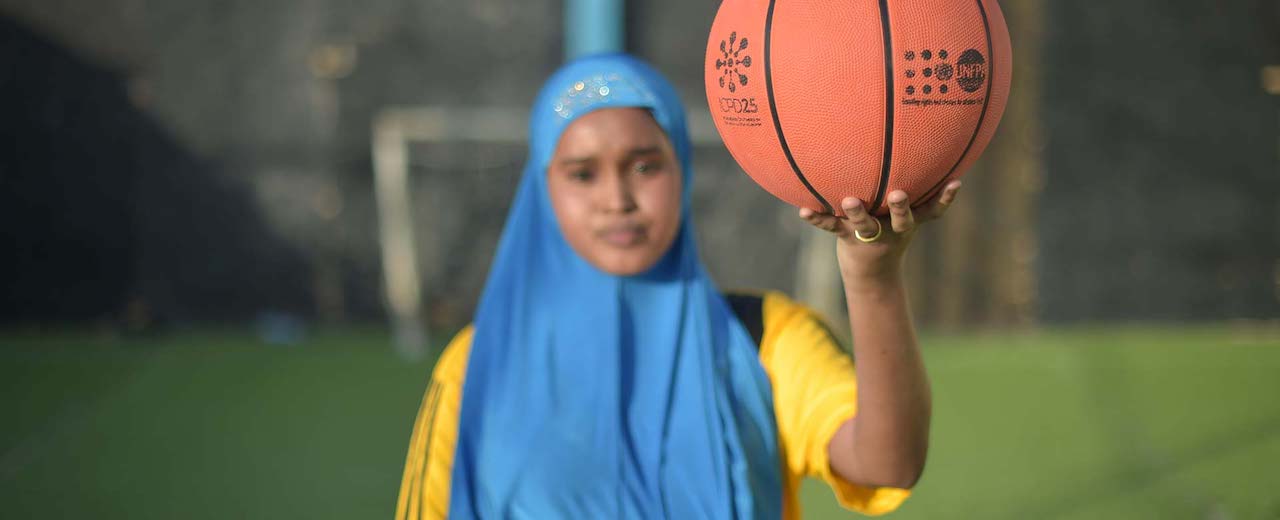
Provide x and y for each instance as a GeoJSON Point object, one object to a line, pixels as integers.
{"type": "Point", "coordinates": [646, 167]}
{"type": "Point", "coordinates": [583, 176]}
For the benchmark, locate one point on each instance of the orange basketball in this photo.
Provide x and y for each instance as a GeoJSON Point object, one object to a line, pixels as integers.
{"type": "Point", "coordinates": [819, 100]}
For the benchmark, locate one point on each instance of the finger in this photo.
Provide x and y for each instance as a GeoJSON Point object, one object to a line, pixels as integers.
{"type": "Point", "coordinates": [859, 220]}
{"type": "Point", "coordinates": [823, 221]}
{"type": "Point", "coordinates": [900, 216]}
{"type": "Point", "coordinates": [942, 202]}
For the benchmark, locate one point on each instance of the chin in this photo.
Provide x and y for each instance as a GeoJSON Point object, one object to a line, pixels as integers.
{"type": "Point", "coordinates": [625, 269]}
{"type": "Point", "coordinates": [626, 265]}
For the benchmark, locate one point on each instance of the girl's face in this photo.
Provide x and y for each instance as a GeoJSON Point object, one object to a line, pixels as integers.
{"type": "Point", "coordinates": [614, 182]}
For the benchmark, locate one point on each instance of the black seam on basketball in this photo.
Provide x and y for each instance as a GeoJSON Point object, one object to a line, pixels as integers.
{"type": "Point", "coordinates": [887, 161]}
{"type": "Point", "coordinates": [982, 116]}
{"type": "Point", "coordinates": [773, 109]}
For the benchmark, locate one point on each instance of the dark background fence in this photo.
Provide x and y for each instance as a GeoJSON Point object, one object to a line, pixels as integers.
{"type": "Point", "coordinates": [196, 160]}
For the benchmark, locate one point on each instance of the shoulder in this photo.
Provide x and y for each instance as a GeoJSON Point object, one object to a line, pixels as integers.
{"type": "Point", "coordinates": [770, 315]}
{"type": "Point", "coordinates": [785, 318]}
{"type": "Point", "coordinates": [452, 365]}
{"type": "Point", "coordinates": [775, 309]}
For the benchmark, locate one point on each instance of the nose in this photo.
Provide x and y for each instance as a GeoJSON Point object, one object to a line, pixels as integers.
{"type": "Point", "coordinates": [617, 194]}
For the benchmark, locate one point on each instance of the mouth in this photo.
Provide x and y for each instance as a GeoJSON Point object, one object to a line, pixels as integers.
{"type": "Point", "coordinates": [623, 235]}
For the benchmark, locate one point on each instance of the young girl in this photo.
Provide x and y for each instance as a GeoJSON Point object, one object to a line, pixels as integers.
{"type": "Point", "coordinates": [606, 376]}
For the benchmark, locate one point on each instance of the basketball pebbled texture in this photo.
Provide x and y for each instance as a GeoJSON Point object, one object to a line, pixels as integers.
{"type": "Point", "coordinates": [822, 100]}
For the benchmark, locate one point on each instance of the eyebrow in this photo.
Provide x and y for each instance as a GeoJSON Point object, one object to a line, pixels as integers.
{"type": "Point", "coordinates": [647, 150]}
{"type": "Point", "coordinates": [634, 152]}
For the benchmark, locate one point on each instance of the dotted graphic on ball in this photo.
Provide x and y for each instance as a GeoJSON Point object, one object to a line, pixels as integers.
{"type": "Point", "coordinates": [969, 71]}
{"type": "Point", "coordinates": [944, 71]}
{"type": "Point", "coordinates": [729, 62]}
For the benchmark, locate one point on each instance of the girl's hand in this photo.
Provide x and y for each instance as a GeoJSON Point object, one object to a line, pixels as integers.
{"type": "Point", "coordinates": [881, 258]}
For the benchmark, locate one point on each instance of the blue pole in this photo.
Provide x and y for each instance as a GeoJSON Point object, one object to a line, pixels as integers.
{"type": "Point", "coordinates": [592, 26]}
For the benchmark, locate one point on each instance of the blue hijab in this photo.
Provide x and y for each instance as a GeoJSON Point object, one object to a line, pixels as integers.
{"type": "Point", "coordinates": [590, 395]}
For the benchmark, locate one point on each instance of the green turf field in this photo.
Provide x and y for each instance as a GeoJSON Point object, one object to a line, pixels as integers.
{"type": "Point", "coordinates": [1115, 423]}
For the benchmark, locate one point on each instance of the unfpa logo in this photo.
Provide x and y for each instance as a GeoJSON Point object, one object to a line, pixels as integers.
{"type": "Point", "coordinates": [969, 72]}
{"type": "Point", "coordinates": [732, 57]}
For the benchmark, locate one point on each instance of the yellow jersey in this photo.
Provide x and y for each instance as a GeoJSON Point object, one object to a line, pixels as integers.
{"type": "Point", "coordinates": [814, 392]}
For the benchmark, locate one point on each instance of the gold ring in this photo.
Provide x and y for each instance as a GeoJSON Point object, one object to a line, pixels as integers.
{"type": "Point", "coordinates": [872, 238]}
